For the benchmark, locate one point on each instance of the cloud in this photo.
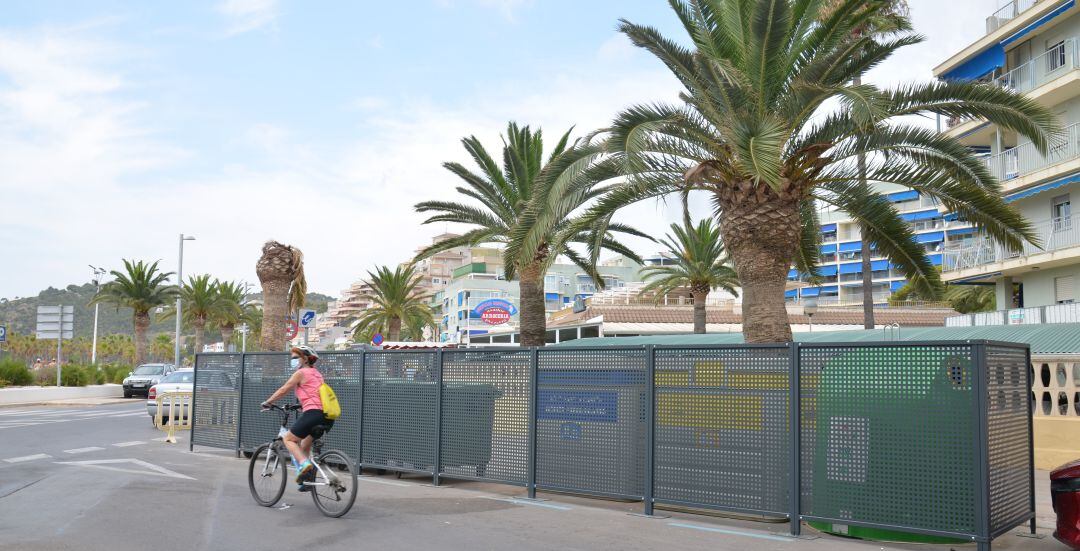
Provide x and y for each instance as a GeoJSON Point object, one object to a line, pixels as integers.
{"type": "Point", "coordinates": [248, 15]}
{"type": "Point", "coordinates": [508, 8]}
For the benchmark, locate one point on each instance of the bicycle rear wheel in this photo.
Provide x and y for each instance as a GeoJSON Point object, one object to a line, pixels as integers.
{"type": "Point", "coordinates": [334, 488]}
{"type": "Point", "coordinates": [267, 474]}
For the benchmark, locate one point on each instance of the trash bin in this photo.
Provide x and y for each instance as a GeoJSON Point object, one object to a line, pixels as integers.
{"type": "Point", "coordinates": [1065, 495]}
{"type": "Point", "coordinates": [467, 419]}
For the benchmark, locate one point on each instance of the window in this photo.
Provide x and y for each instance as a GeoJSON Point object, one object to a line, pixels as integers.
{"type": "Point", "coordinates": [1055, 56]}
{"type": "Point", "coordinates": [1063, 290]}
{"type": "Point", "coordinates": [1061, 212]}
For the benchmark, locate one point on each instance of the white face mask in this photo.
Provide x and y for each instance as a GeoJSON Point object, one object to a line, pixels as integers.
{"type": "Point", "coordinates": [294, 363]}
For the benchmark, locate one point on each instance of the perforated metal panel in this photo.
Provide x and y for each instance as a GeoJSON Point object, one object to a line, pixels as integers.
{"type": "Point", "coordinates": [485, 417]}
{"type": "Point", "coordinates": [889, 435]}
{"type": "Point", "coordinates": [217, 400]}
{"type": "Point", "coordinates": [721, 436]}
{"type": "Point", "coordinates": [1008, 430]}
{"type": "Point", "coordinates": [591, 411]}
{"type": "Point", "coordinates": [263, 374]}
{"type": "Point", "coordinates": [343, 371]}
{"type": "Point", "coordinates": [399, 410]}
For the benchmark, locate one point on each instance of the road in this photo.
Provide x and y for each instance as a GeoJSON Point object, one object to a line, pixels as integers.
{"type": "Point", "coordinates": [93, 478]}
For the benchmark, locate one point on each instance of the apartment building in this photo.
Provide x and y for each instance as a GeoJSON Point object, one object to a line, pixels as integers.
{"type": "Point", "coordinates": [1031, 47]}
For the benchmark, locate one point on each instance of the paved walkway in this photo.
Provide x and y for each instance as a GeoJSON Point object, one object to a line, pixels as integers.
{"type": "Point", "coordinates": [32, 395]}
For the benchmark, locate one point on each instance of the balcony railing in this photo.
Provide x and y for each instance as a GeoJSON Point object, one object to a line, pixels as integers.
{"type": "Point", "coordinates": [1056, 313]}
{"type": "Point", "coordinates": [1055, 234]}
{"type": "Point", "coordinates": [1007, 13]}
{"type": "Point", "coordinates": [1046, 67]}
{"type": "Point", "coordinates": [1024, 159]}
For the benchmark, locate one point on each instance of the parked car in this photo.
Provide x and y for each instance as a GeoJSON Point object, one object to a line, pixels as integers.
{"type": "Point", "coordinates": [144, 377]}
{"type": "Point", "coordinates": [181, 380]}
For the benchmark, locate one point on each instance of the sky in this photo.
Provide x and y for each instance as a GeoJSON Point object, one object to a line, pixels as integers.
{"type": "Point", "coordinates": [124, 123]}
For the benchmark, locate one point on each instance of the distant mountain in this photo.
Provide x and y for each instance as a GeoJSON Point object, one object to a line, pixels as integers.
{"type": "Point", "coordinates": [20, 315]}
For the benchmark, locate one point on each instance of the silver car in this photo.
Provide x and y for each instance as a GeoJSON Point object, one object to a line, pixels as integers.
{"type": "Point", "coordinates": [144, 377]}
{"type": "Point", "coordinates": [181, 380]}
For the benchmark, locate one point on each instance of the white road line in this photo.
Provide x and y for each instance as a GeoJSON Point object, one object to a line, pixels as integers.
{"type": "Point", "coordinates": [769, 537]}
{"type": "Point", "coordinates": [387, 482]}
{"type": "Point", "coordinates": [127, 444]}
{"type": "Point", "coordinates": [84, 450]}
{"type": "Point", "coordinates": [532, 503]}
{"type": "Point", "coordinates": [24, 458]}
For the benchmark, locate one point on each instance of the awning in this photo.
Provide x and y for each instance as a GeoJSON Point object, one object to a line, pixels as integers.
{"type": "Point", "coordinates": [856, 267]}
{"type": "Point", "coordinates": [827, 270]}
{"type": "Point", "coordinates": [1038, 23]}
{"type": "Point", "coordinates": [960, 231]}
{"type": "Point", "coordinates": [902, 196]}
{"type": "Point", "coordinates": [828, 249]}
{"type": "Point", "coordinates": [952, 217]}
{"type": "Point", "coordinates": [792, 273]}
{"type": "Point", "coordinates": [790, 294]}
{"type": "Point", "coordinates": [1043, 187]}
{"type": "Point", "coordinates": [852, 246]}
{"type": "Point", "coordinates": [978, 66]}
{"type": "Point", "coordinates": [921, 215]}
{"type": "Point", "coordinates": [828, 228]}
{"type": "Point", "coordinates": [935, 259]}
{"type": "Point", "coordinates": [932, 237]}
{"type": "Point", "coordinates": [829, 289]}
{"type": "Point", "coordinates": [896, 285]}
{"type": "Point", "coordinates": [811, 291]}
{"type": "Point", "coordinates": [551, 296]}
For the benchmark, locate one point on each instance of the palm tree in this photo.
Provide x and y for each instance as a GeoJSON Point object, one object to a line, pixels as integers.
{"type": "Point", "coordinates": [962, 298]}
{"type": "Point", "coordinates": [200, 303]}
{"type": "Point", "coordinates": [281, 273]}
{"type": "Point", "coordinates": [756, 129]}
{"type": "Point", "coordinates": [526, 205]}
{"type": "Point", "coordinates": [162, 347]}
{"type": "Point", "coordinates": [142, 288]}
{"type": "Point", "coordinates": [700, 263]}
{"type": "Point", "coordinates": [232, 302]}
{"type": "Point", "coordinates": [396, 301]}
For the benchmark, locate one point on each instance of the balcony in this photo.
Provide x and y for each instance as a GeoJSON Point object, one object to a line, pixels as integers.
{"type": "Point", "coordinates": [1057, 313]}
{"type": "Point", "coordinates": [1056, 235]}
{"type": "Point", "coordinates": [1007, 13]}
{"type": "Point", "coordinates": [1024, 160]}
{"type": "Point", "coordinates": [1048, 66]}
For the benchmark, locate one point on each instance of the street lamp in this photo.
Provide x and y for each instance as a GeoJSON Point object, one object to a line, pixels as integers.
{"type": "Point", "coordinates": [96, 280]}
{"type": "Point", "coordinates": [243, 329]}
{"type": "Point", "coordinates": [810, 308]}
{"type": "Point", "coordinates": [179, 286]}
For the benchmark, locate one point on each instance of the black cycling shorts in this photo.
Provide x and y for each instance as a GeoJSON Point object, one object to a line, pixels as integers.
{"type": "Point", "coordinates": [307, 421]}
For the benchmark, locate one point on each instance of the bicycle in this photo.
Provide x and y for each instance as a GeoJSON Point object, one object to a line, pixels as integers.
{"type": "Point", "coordinates": [334, 488]}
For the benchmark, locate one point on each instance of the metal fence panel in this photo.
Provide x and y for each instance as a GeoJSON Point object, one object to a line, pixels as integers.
{"type": "Point", "coordinates": [399, 410]}
{"type": "Point", "coordinates": [721, 436]}
{"type": "Point", "coordinates": [217, 399]}
{"type": "Point", "coordinates": [485, 415]}
{"type": "Point", "coordinates": [263, 374]}
{"type": "Point", "coordinates": [343, 371]}
{"type": "Point", "coordinates": [591, 430]}
{"type": "Point", "coordinates": [888, 436]}
{"type": "Point", "coordinates": [1009, 454]}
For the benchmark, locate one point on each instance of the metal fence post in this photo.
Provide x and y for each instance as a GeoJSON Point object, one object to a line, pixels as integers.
{"type": "Point", "coordinates": [194, 392]}
{"type": "Point", "coordinates": [240, 405]}
{"type": "Point", "coordinates": [360, 421]}
{"type": "Point", "coordinates": [795, 421]}
{"type": "Point", "coordinates": [650, 429]}
{"type": "Point", "coordinates": [1028, 369]}
{"type": "Point", "coordinates": [982, 481]}
{"type": "Point", "coordinates": [438, 416]}
{"type": "Point", "coordinates": [534, 360]}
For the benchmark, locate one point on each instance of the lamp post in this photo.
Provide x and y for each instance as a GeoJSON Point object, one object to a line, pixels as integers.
{"type": "Point", "coordinates": [179, 286]}
{"type": "Point", "coordinates": [96, 280]}
{"type": "Point", "coordinates": [810, 308]}
{"type": "Point", "coordinates": [243, 329]}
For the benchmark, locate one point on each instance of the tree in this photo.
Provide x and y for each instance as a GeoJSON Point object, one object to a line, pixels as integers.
{"type": "Point", "coordinates": [161, 348]}
{"type": "Point", "coordinates": [757, 130]}
{"type": "Point", "coordinates": [200, 302]}
{"type": "Point", "coordinates": [527, 206]}
{"type": "Point", "coordinates": [142, 288]}
{"type": "Point", "coordinates": [281, 273]}
{"type": "Point", "coordinates": [396, 301]}
{"type": "Point", "coordinates": [962, 298]}
{"type": "Point", "coordinates": [232, 302]}
{"type": "Point", "coordinates": [700, 264]}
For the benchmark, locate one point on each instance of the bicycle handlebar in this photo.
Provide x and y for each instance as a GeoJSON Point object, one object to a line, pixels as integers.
{"type": "Point", "coordinates": [286, 408]}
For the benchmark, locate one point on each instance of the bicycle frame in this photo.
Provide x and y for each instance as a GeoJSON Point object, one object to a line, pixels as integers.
{"type": "Point", "coordinates": [278, 443]}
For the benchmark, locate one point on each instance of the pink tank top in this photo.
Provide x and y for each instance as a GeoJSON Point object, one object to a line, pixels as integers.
{"type": "Point", "coordinates": [308, 390]}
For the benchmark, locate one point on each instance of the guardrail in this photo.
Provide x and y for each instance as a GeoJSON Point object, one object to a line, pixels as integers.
{"type": "Point", "coordinates": [1056, 234]}
{"type": "Point", "coordinates": [175, 406]}
{"type": "Point", "coordinates": [1024, 159]}
{"type": "Point", "coordinates": [1034, 315]}
{"type": "Point", "coordinates": [1041, 69]}
{"type": "Point", "coordinates": [1007, 13]}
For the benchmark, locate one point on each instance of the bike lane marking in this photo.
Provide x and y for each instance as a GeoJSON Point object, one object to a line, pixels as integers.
{"type": "Point", "coordinates": [128, 444]}
{"type": "Point", "coordinates": [84, 450]}
{"type": "Point", "coordinates": [769, 537]}
{"type": "Point", "coordinates": [25, 458]}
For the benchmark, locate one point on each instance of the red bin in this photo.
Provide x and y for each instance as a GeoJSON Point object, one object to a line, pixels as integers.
{"type": "Point", "coordinates": [1065, 493]}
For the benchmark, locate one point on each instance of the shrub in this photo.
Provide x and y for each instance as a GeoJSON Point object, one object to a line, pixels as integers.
{"type": "Point", "coordinates": [76, 375]}
{"type": "Point", "coordinates": [14, 373]}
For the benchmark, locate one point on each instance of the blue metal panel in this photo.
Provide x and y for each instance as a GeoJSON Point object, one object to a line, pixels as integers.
{"type": "Point", "coordinates": [921, 215]}
{"type": "Point", "coordinates": [1038, 23]}
{"type": "Point", "coordinates": [902, 196]}
{"type": "Point", "coordinates": [851, 246]}
{"type": "Point", "coordinates": [990, 59]}
{"type": "Point", "coordinates": [1072, 179]}
{"type": "Point", "coordinates": [932, 237]}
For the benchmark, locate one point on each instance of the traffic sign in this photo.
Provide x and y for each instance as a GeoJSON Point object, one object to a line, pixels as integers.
{"type": "Point", "coordinates": [307, 318]}
{"type": "Point", "coordinates": [290, 328]}
{"type": "Point", "coordinates": [54, 322]}
{"type": "Point", "coordinates": [377, 339]}
{"type": "Point", "coordinates": [3, 333]}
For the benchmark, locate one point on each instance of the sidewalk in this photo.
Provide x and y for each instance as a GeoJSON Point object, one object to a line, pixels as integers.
{"type": "Point", "coordinates": [64, 395]}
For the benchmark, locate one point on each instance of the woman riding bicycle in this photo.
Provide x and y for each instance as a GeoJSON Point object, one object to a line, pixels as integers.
{"type": "Point", "coordinates": [306, 380]}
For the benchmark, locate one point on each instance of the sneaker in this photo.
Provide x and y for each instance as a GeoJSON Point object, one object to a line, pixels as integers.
{"type": "Point", "coordinates": [306, 469]}
{"type": "Point", "coordinates": [304, 487]}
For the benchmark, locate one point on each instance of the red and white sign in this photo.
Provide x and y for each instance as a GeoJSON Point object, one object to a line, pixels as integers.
{"type": "Point", "coordinates": [495, 316]}
{"type": "Point", "coordinates": [290, 329]}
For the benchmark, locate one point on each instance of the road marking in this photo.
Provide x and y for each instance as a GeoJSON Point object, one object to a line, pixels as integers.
{"type": "Point", "coordinates": [369, 478]}
{"type": "Point", "coordinates": [107, 464]}
{"type": "Point", "coordinates": [127, 444]}
{"type": "Point", "coordinates": [532, 503]}
{"type": "Point", "coordinates": [34, 457]}
{"type": "Point", "coordinates": [84, 450]}
{"type": "Point", "coordinates": [731, 532]}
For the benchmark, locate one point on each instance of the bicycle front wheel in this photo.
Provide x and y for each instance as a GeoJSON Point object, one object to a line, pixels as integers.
{"type": "Point", "coordinates": [267, 474]}
{"type": "Point", "coordinates": [334, 487]}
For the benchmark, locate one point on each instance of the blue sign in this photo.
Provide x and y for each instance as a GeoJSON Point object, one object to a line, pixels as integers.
{"type": "Point", "coordinates": [377, 339]}
{"type": "Point", "coordinates": [570, 431]}
{"type": "Point", "coordinates": [495, 303]}
{"type": "Point", "coordinates": [577, 405]}
{"type": "Point", "coordinates": [3, 333]}
{"type": "Point", "coordinates": [307, 318]}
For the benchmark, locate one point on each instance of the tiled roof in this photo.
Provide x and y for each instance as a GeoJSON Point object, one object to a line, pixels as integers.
{"type": "Point", "coordinates": [906, 317]}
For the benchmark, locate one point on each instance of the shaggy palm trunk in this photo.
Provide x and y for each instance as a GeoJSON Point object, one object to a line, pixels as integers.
{"type": "Point", "coordinates": [532, 315]}
{"type": "Point", "coordinates": [761, 229]}
{"type": "Point", "coordinates": [226, 336]}
{"type": "Point", "coordinates": [394, 329]}
{"type": "Point", "coordinates": [142, 324]}
{"type": "Point", "coordinates": [200, 331]}
{"type": "Point", "coordinates": [700, 294]}
{"type": "Point", "coordinates": [867, 265]}
{"type": "Point", "coordinates": [275, 306]}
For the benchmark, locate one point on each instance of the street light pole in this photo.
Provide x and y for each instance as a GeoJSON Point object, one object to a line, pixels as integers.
{"type": "Point", "coordinates": [810, 308]}
{"type": "Point", "coordinates": [98, 272]}
{"type": "Point", "coordinates": [179, 307]}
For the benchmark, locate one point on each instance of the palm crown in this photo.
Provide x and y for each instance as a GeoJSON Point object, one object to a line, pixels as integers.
{"type": "Point", "coordinates": [140, 287]}
{"type": "Point", "coordinates": [755, 129]}
{"type": "Point", "coordinates": [699, 262]}
{"type": "Point", "coordinates": [396, 301]}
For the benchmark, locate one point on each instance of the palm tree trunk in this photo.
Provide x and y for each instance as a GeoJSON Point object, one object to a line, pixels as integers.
{"type": "Point", "coordinates": [867, 265]}
{"type": "Point", "coordinates": [200, 330]}
{"type": "Point", "coordinates": [761, 229]}
{"type": "Point", "coordinates": [226, 335]}
{"type": "Point", "coordinates": [142, 324]}
{"type": "Point", "coordinates": [395, 329]}
{"type": "Point", "coordinates": [699, 309]}
{"type": "Point", "coordinates": [275, 304]}
{"type": "Point", "coordinates": [533, 319]}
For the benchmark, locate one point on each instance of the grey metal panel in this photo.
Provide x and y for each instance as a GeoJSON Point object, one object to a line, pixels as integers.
{"type": "Point", "coordinates": [343, 371]}
{"type": "Point", "coordinates": [263, 374]}
{"type": "Point", "coordinates": [888, 435]}
{"type": "Point", "coordinates": [485, 415]}
{"type": "Point", "coordinates": [399, 410]}
{"type": "Point", "coordinates": [217, 392]}
{"type": "Point", "coordinates": [722, 438]}
{"type": "Point", "coordinates": [1009, 459]}
{"type": "Point", "coordinates": [591, 430]}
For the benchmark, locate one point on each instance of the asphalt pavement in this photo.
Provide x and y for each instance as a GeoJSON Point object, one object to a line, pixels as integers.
{"type": "Point", "coordinates": [100, 477]}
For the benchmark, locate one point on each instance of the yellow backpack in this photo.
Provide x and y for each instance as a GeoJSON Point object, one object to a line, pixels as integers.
{"type": "Point", "coordinates": [330, 406]}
